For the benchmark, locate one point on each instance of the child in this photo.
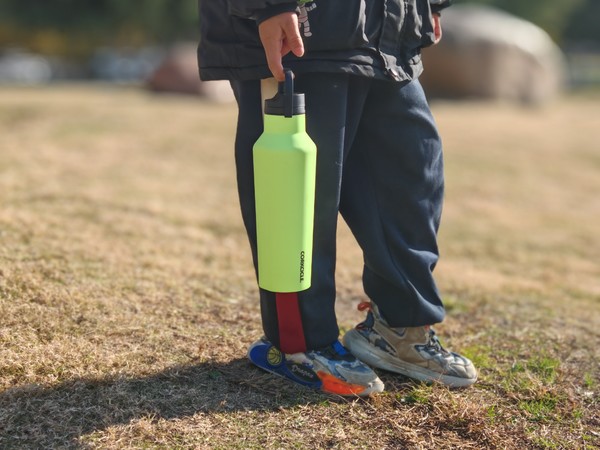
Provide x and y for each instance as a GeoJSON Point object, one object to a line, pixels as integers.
{"type": "Point", "coordinates": [379, 164]}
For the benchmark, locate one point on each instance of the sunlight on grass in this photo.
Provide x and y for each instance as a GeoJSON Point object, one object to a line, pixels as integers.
{"type": "Point", "coordinates": [128, 297]}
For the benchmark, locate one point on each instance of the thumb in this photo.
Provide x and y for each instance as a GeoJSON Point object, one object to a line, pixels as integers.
{"type": "Point", "coordinates": [292, 36]}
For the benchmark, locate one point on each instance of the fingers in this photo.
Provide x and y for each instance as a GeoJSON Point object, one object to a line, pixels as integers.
{"type": "Point", "coordinates": [280, 35]}
{"type": "Point", "coordinates": [273, 50]}
{"type": "Point", "coordinates": [437, 28]}
{"type": "Point", "coordinates": [293, 39]}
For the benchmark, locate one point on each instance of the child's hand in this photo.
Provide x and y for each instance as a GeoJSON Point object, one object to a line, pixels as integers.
{"type": "Point", "coordinates": [279, 36]}
{"type": "Point", "coordinates": [437, 28]}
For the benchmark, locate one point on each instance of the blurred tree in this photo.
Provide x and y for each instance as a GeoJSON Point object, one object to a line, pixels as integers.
{"type": "Point", "coordinates": [74, 26]}
{"type": "Point", "coordinates": [583, 24]}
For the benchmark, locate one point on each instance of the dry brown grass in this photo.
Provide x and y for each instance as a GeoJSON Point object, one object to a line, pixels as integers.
{"type": "Point", "coordinates": [127, 298]}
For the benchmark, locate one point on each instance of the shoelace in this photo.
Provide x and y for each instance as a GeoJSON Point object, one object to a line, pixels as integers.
{"type": "Point", "coordinates": [337, 352]}
{"type": "Point", "coordinates": [434, 342]}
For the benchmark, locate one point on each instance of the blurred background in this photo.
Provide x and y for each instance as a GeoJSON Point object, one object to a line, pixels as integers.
{"type": "Point", "coordinates": [554, 42]}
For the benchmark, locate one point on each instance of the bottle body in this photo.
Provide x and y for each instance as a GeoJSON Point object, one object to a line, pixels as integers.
{"type": "Point", "coordinates": [284, 179]}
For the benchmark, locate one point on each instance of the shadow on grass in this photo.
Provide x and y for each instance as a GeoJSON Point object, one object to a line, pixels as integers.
{"type": "Point", "coordinates": [34, 416]}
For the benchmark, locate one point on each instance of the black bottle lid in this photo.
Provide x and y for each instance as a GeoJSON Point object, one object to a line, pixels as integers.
{"type": "Point", "coordinates": [286, 102]}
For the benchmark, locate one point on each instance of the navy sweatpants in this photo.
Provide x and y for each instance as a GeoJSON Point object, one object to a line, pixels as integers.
{"type": "Point", "coordinates": [379, 164]}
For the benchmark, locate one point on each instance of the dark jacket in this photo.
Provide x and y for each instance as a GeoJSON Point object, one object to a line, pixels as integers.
{"type": "Point", "coordinates": [375, 38]}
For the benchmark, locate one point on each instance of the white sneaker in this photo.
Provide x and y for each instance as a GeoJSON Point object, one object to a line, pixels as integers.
{"type": "Point", "coordinates": [413, 352]}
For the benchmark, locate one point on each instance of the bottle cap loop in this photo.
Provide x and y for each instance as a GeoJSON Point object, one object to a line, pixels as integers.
{"type": "Point", "coordinates": [286, 102]}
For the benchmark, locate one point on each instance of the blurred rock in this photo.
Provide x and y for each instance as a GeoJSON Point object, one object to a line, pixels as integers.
{"type": "Point", "coordinates": [487, 53]}
{"type": "Point", "coordinates": [178, 73]}
{"type": "Point", "coordinates": [17, 66]}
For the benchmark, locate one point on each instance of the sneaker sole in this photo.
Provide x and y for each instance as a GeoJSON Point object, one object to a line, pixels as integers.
{"type": "Point", "coordinates": [270, 359]}
{"type": "Point", "coordinates": [375, 357]}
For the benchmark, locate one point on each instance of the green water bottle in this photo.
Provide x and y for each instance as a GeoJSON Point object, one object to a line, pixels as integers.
{"type": "Point", "coordinates": [285, 159]}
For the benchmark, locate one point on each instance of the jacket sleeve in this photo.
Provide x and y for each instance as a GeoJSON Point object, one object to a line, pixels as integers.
{"type": "Point", "coordinates": [259, 10]}
{"type": "Point", "coordinates": [438, 5]}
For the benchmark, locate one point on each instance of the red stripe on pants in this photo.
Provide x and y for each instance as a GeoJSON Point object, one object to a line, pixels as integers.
{"type": "Point", "coordinates": [291, 333]}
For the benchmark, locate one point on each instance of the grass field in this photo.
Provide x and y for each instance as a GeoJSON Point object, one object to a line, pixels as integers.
{"type": "Point", "coordinates": [127, 298]}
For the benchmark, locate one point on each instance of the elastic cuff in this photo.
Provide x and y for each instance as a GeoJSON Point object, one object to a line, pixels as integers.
{"type": "Point", "coordinates": [267, 13]}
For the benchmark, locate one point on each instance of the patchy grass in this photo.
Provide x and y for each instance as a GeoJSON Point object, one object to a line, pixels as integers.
{"type": "Point", "coordinates": [127, 299]}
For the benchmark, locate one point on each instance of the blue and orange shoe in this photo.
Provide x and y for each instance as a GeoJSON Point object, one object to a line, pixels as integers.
{"type": "Point", "coordinates": [331, 369]}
